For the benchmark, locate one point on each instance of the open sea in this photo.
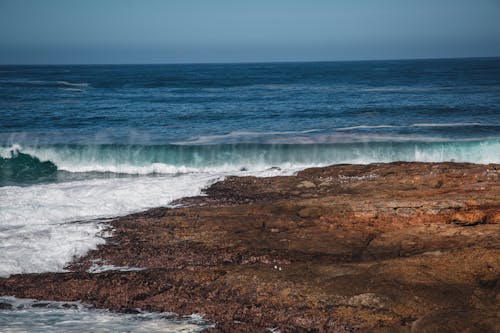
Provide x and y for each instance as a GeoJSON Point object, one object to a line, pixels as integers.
{"type": "Point", "coordinates": [82, 144]}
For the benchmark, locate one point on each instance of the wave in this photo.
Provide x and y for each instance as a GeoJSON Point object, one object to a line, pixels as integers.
{"type": "Point", "coordinates": [242, 135]}
{"type": "Point", "coordinates": [39, 162]}
{"type": "Point", "coordinates": [449, 125]}
{"type": "Point", "coordinates": [365, 127]}
{"type": "Point", "coordinates": [73, 84]}
{"type": "Point", "coordinates": [20, 167]}
{"type": "Point", "coordinates": [414, 125]}
{"type": "Point", "coordinates": [42, 83]}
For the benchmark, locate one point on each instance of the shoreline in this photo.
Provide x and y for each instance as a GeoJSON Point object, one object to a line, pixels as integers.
{"type": "Point", "coordinates": [387, 246]}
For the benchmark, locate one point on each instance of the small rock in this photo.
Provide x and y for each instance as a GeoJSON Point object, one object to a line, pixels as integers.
{"type": "Point", "coordinates": [5, 306]}
{"type": "Point", "coordinates": [130, 310]}
{"type": "Point", "coordinates": [309, 212]}
{"type": "Point", "coordinates": [432, 253]}
{"type": "Point", "coordinates": [306, 184]}
{"type": "Point", "coordinates": [40, 305]}
{"type": "Point", "coordinates": [367, 299]}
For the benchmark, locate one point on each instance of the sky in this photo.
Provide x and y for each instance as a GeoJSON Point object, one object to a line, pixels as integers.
{"type": "Point", "coordinates": [201, 31]}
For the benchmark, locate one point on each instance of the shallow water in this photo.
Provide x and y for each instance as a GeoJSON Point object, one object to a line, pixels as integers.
{"type": "Point", "coordinates": [26, 315]}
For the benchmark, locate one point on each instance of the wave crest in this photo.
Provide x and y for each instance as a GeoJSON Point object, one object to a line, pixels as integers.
{"type": "Point", "coordinates": [26, 163]}
{"type": "Point", "coordinates": [20, 167]}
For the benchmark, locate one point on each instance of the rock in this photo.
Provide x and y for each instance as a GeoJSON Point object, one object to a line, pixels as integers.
{"type": "Point", "coordinates": [495, 218]}
{"type": "Point", "coordinates": [5, 306]}
{"type": "Point", "coordinates": [310, 212]}
{"type": "Point", "coordinates": [458, 320]}
{"type": "Point", "coordinates": [436, 183]}
{"type": "Point", "coordinates": [469, 218]}
{"type": "Point", "coordinates": [306, 184]}
{"type": "Point", "coordinates": [367, 299]}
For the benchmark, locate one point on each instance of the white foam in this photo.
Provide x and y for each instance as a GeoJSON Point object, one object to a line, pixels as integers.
{"type": "Point", "coordinates": [413, 125]}
{"type": "Point", "coordinates": [365, 127]}
{"type": "Point", "coordinates": [27, 315]}
{"type": "Point", "coordinates": [6, 152]}
{"type": "Point", "coordinates": [446, 124]}
{"type": "Point", "coordinates": [38, 232]}
{"type": "Point", "coordinates": [166, 169]}
{"type": "Point", "coordinates": [106, 268]}
{"type": "Point", "coordinates": [37, 235]}
{"type": "Point", "coordinates": [153, 168]}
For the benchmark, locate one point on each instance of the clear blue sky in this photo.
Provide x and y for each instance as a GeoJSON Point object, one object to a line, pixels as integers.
{"type": "Point", "coordinates": [172, 31]}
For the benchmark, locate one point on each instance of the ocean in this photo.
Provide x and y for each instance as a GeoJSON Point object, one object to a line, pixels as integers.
{"type": "Point", "coordinates": [82, 144]}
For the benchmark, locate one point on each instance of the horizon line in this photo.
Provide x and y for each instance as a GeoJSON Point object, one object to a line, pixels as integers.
{"type": "Point", "coordinates": [247, 62]}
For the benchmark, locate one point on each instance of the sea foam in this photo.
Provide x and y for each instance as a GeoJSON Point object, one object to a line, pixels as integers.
{"type": "Point", "coordinates": [38, 230]}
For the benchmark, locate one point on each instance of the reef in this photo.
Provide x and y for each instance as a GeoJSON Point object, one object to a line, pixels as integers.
{"type": "Point", "coordinates": [396, 247]}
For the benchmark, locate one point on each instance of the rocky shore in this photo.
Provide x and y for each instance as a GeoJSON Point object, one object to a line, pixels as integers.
{"type": "Point", "coordinates": [397, 247]}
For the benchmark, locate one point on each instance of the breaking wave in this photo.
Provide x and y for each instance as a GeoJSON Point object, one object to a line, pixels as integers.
{"type": "Point", "coordinates": [54, 162]}
{"type": "Point", "coordinates": [20, 167]}
{"type": "Point", "coordinates": [20, 164]}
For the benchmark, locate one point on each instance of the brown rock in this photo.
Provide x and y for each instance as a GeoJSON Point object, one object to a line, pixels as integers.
{"type": "Point", "coordinates": [469, 218]}
{"type": "Point", "coordinates": [495, 218]}
{"type": "Point", "coordinates": [310, 212]}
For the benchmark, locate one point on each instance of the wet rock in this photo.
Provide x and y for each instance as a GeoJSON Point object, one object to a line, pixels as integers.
{"type": "Point", "coordinates": [40, 305]}
{"type": "Point", "coordinates": [5, 306]}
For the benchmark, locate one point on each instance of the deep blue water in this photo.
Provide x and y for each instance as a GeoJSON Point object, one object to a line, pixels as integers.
{"type": "Point", "coordinates": [159, 104]}
{"type": "Point", "coordinates": [79, 144]}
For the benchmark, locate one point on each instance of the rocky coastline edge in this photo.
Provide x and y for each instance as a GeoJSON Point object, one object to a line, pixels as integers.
{"type": "Point", "coordinates": [386, 247]}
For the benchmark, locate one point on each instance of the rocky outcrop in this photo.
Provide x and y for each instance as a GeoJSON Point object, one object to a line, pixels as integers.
{"type": "Point", "coordinates": [398, 247]}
